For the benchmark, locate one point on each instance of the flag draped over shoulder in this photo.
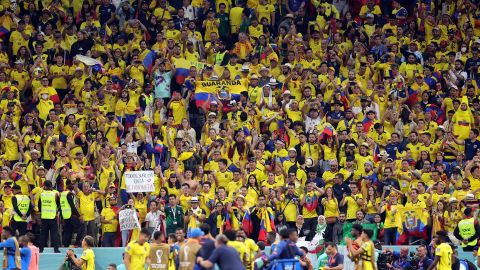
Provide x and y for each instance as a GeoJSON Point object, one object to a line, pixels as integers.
{"type": "Point", "coordinates": [414, 221]}
{"type": "Point", "coordinates": [203, 90]}
{"type": "Point", "coordinates": [348, 227]}
{"type": "Point", "coordinates": [267, 223]}
{"type": "Point", "coordinates": [247, 223]}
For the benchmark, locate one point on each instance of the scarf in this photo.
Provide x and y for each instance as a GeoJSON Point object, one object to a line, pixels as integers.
{"type": "Point", "coordinates": [193, 221]}
{"type": "Point", "coordinates": [320, 228]}
{"type": "Point", "coordinates": [17, 255]}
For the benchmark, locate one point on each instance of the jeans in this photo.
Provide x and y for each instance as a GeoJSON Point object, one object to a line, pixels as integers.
{"type": "Point", "coordinates": [90, 228]}
{"type": "Point", "coordinates": [108, 239]}
{"type": "Point", "coordinates": [390, 236]}
{"type": "Point", "coordinates": [125, 236]}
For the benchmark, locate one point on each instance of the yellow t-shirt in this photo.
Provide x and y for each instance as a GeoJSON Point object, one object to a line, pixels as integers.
{"type": "Point", "coordinates": [109, 215]}
{"type": "Point", "coordinates": [352, 205]}
{"type": "Point", "coordinates": [239, 247]}
{"type": "Point", "coordinates": [179, 111]}
{"type": "Point", "coordinates": [87, 205]}
{"type": "Point", "coordinates": [138, 255]}
{"type": "Point", "coordinates": [265, 11]}
{"type": "Point", "coordinates": [17, 41]}
{"type": "Point", "coordinates": [331, 208]}
{"type": "Point", "coordinates": [392, 218]}
{"type": "Point", "coordinates": [224, 178]}
{"type": "Point", "coordinates": [11, 149]}
{"type": "Point", "coordinates": [59, 82]}
{"type": "Point", "coordinates": [235, 19]}
{"type": "Point", "coordinates": [88, 258]}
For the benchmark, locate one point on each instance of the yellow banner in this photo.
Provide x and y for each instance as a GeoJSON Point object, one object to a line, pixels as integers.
{"type": "Point", "coordinates": [234, 87]}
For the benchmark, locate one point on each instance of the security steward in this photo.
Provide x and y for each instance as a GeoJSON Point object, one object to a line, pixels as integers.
{"type": "Point", "coordinates": [22, 209]}
{"type": "Point", "coordinates": [467, 230]}
{"type": "Point", "coordinates": [48, 206]}
{"type": "Point", "coordinates": [70, 216]}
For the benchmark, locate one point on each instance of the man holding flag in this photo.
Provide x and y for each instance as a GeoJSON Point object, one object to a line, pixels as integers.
{"type": "Point", "coordinates": [310, 203]}
{"type": "Point", "coordinates": [260, 221]}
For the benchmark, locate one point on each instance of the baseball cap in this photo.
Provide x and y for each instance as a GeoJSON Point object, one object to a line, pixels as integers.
{"type": "Point", "coordinates": [196, 233]}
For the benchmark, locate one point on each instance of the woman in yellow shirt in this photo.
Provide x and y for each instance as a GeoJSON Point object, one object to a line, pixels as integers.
{"type": "Point", "coordinates": [371, 204]}
{"type": "Point", "coordinates": [125, 106]}
{"type": "Point", "coordinates": [173, 186]}
{"type": "Point", "coordinates": [438, 217]}
{"type": "Point", "coordinates": [452, 216]}
{"type": "Point", "coordinates": [330, 204]}
{"type": "Point", "coordinates": [113, 69]}
{"type": "Point", "coordinates": [329, 149]}
{"type": "Point", "coordinates": [141, 204]}
{"type": "Point", "coordinates": [253, 190]}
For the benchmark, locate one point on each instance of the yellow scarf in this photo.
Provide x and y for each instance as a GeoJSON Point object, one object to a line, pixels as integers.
{"type": "Point", "coordinates": [193, 222]}
{"type": "Point", "coordinates": [264, 215]}
{"type": "Point", "coordinates": [17, 256]}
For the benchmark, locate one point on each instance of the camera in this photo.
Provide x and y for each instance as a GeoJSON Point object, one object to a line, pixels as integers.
{"type": "Point", "coordinates": [383, 259]}
{"type": "Point", "coordinates": [413, 260]}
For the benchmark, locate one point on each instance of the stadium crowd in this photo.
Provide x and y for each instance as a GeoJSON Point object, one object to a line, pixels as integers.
{"type": "Point", "coordinates": [266, 123]}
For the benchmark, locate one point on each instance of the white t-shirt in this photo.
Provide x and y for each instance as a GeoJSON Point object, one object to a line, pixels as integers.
{"type": "Point", "coordinates": [153, 219]}
{"type": "Point", "coordinates": [133, 146]}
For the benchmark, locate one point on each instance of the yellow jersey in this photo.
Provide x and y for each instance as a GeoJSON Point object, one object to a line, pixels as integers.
{"type": "Point", "coordinates": [138, 255]}
{"type": "Point", "coordinates": [444, 252]}
{"type": "Point", "coordinates": [368, 255]}
{"type": "Point", "coordinates": [88, 258]}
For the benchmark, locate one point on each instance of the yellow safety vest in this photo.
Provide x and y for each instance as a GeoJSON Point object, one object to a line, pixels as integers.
{"type": "Point", "coordinates": [219, 57]}
{"type": "Point", "coordinates": [148, 99]}
{"type": "Point", "coordinates": [49, 204]}
{"type": "Point", "coordinates": [23, 203]}
{"type": "Point", "coordinates": [466, 229]}
{"type": "Point", "coordinates": [65, 206]}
